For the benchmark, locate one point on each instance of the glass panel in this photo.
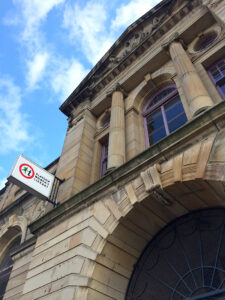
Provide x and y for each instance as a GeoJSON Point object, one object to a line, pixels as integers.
{"type": "Point", "coordinates": [215, 73]}
{"type": "Point", "coordinates": [157, 135]}
{"type": "Point", "coordinates": [174, 264]}
{"type": "Point", "coordinates": [177, 122]}
{"type": "Point", "coordinates": [221, 66]}
{"type": "Point", "coordinates": [104, 159]}
{"type": "Point", "coordinates": [222, 88]}
{"type": "Point", "coordinates": [155, 120]}
{"type": "Point", "coordinates": [155, 125]}
{"type": "Point", "coordinates": [173, 108]}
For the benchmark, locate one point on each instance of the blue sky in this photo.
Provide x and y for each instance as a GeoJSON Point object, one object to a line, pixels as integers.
{"type": "Point", "coordinates": [46, 49]}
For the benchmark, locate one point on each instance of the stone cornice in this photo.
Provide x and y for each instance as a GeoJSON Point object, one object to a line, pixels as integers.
{"type": "Point", "coordinates": [108, 68]}
{"type": "Point", "coordinates": [211, 118]}
{"type": "Point", "coordinates": [26, 245]}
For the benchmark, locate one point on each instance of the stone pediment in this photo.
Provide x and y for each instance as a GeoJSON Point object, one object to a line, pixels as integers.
{"type": "Point", "coordinates": [137, 38]}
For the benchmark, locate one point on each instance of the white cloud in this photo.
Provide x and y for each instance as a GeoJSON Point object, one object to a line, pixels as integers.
{"type": "Point", "coordinates": [36, 69]}
{"type": "Point", "coordinates": [128, 13]}
{"type": "Point", "coordinates": [13, 124]}
{"type": "Point", "coordinates": [66, 76]}
{"type": "Point", "coordinates": [34, 12]}
{"type": "Point", "coordinates": [87, 26]}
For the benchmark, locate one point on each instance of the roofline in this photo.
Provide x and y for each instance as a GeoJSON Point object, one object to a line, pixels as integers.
{"type": "Point", "coordinates": [81, 87]}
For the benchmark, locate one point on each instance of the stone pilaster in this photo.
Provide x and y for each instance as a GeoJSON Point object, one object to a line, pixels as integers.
{"type": "Point", "coordinates": [197, 96]}
{"type": "Point", "coordinates": [116, 156]}
{"type": "Point", "coordinates": [75, 161]}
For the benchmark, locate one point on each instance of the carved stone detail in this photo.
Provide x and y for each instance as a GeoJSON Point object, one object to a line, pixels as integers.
{"type": "Point", "coordinates": [36, 211]}
{"type": "Point", "coordinates": [15, 221]}
{"type": "Point", "coordinates": [151, 178]}
{"type": "Point", "coordinates": [211, 3]}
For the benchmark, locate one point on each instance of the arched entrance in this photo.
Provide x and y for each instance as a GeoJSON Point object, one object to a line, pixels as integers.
{"type": "Point", "coordinates": [6, 266]}
{"type": "Point", "coordinates": [186, 260]}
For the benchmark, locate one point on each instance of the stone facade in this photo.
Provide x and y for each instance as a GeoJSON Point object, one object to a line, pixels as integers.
{"type": "Point", "coordinates": [87, 247]}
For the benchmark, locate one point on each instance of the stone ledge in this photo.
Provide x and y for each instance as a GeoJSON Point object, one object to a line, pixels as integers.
{"type": "Point", "coordinates": [26, 244]}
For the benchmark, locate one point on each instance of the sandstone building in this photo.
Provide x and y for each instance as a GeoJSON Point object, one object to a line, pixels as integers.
{"type": "Point", "coordinates": [141, 212]}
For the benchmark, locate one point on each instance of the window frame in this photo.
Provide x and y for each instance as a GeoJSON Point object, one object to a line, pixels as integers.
{"type": "Point", "coordinates": [216, 82]}
{"type": "Point", "coordinates": [104, 158]}
{"type": "Point", "coordinates": [160, 104]}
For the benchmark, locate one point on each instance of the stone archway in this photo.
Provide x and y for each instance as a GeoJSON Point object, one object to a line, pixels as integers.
{"type": "Point", "coordinates": [189, 181]}
{"type": "Point", "coordinates": [91, 255]}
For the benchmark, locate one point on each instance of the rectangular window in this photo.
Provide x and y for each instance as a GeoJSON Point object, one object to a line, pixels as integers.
{"type": "Point", "coordinates": [104, 159]}
{"type": "Point", "coordinates": [217, 74]}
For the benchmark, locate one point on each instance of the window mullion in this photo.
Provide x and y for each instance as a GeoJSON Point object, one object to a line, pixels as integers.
{"type": "Point", "coordinates": [165, 120]}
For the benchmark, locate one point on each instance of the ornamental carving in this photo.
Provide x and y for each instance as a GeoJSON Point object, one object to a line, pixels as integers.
{"type": "Point", "coordinates": [212, 3]}
{"type": "Point", "coordinates": [138, 37]}
{"type": "Point", "coordinates": [151, 178]}
{"type": "Point", "coordinates": [36, 211]}
{"type": "Point", "coordinates": [132, 43]}
{"type": "Point", "coordinates": [15, 221]}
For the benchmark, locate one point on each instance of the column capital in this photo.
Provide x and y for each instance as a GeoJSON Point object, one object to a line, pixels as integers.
{"type": "Point", "coordinates": [117, 88]}
{"type": "Point", "coordinates": [173, 38]}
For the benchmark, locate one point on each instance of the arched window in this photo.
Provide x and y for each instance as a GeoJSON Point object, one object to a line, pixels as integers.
{"type": "Point", "coordinates": [6, 266]}
{"type": "Point", "coordinates": [217, 74]}
{"type": "Point", "coordinates": [163, 114]}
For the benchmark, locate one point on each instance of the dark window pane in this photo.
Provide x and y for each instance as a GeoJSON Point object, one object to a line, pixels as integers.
{"type": "Point", "coordinates": [221, 66]}
{"type": "Point", "coordinates": [155, 120]}
{"type": "Point", "coordinates": [104, 159]}
{"type": "Point", "coordinates": [157, 135]}
{"type": "Point", "coordinates": [173, 109]}
{"type": "Point", "coordinates": [157, 113]}
{"type": "Point", "coordinates": [177, 122]}
{"type": "Point", "coordinates": [170, 112]}
{"type": "Point", "coordinates": [215, 73]}
{"type": "Point", "coordinates": [222, 88]}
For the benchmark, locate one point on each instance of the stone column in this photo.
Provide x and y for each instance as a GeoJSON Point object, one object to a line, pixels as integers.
{"type": "Point", "coordinates": [116, 155]}
{"type": "Point", "coordinates": [194, 90]}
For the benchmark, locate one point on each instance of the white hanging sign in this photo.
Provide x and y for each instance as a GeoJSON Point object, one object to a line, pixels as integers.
{"type": "Point", "coordinates": [32, 177]}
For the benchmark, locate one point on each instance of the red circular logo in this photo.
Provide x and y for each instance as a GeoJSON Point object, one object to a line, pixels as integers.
{"type": "Point", "coordinates": [26, 171]}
